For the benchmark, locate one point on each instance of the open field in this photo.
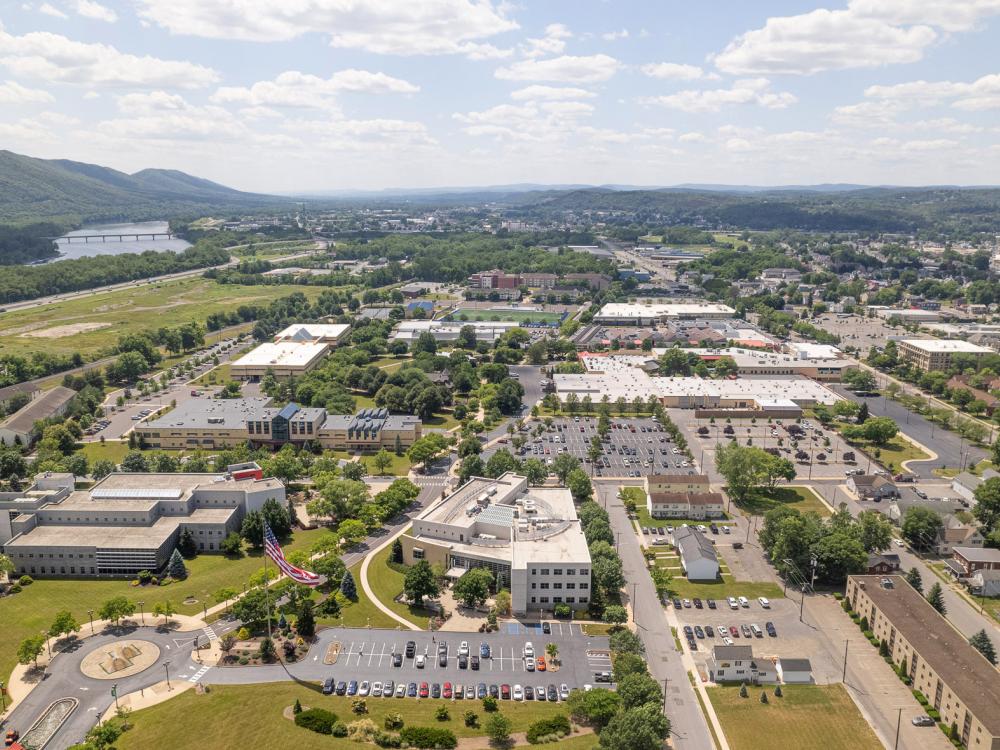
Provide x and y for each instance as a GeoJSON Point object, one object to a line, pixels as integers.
{"type": "Point", "coordinates": [251, 716]}
{"type": "Point", "coordinates": [802, 499]}
{"type": "Point", "coordinates": [720, 589]}
{"type": "Point", "coordinates": [808, 717]}
{"type": "Point", "coordinates": [361, 613]}
{"type": "Point", "coordinates": [400, 466]}
{"type": "Point", "coordinates": [892, 454]}
{"type": "Point", "coordinates": [90, 325]}
{"type": "Point", "coordinates": [518, 316]}
{"type": "Point", "coordinates": [33, 610]}
{"type": "Point", "coordinates": [216, 376]}
{"type": "Point", "coordinates": [387, 583]}
{"type": "Point", "coordinates": [110, 450]}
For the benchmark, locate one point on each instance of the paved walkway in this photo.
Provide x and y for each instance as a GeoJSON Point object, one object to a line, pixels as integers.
{"type": "Point", "coordinates": [371, 594]}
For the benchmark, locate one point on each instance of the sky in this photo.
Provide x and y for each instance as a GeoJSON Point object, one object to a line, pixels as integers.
{"type": "Point", "coordinates": [314, 95]}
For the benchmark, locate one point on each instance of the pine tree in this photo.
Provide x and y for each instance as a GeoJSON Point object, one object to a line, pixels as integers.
{"type": "Point", "coordinates": [348, 587]}
{"type": "Point", "coordinates": [763, 696]}
{"type": "Point", "coordinates": [305, 626]}
{"type": "Point", "coordinates": [862, 413]}
{"type": "Point", "coordinates": [913, 578]}
{"type": "Point", "coordinates": [936, 598]}
{"type": "Point", "coordinates": [743, 690]}
{"type": "Point", "coordinates": [777, 691]}
{"type": "Point", "coordinates": [982, 643]}
{"type": "Point", "coordinates": [186, 544]}
{"type": "Point", "coordinates": [176, 567]}
{"type": "Point", "coordinates": [397, 551]}
{"type": "Point", "coordinates": [399, 446]}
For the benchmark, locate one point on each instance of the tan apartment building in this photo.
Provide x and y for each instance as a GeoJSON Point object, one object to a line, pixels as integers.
{"type": "Point", "coordinates": [957, 680]}
{"type": "Point", "coordinates": [937, 354]}
{"type": "Point", "coordinates": [682, 496]}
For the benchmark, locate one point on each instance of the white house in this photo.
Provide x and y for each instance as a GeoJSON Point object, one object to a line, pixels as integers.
{"type": "Point", "coordinates": [795, 671]}
{"type": "Point", "coordinates": [737, 664]}
{"type": "Point", "coordinates": [965, 484]}
{"type": "Point", "coordinates": [698, 557]}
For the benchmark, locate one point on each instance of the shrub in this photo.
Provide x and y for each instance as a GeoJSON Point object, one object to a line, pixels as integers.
{"type": "Point", "coordinates": [15, 589]}
{"type": "Point", "coordinates": [428, 737]}
{"type": "Point", "coordinates": [384, 739]}
{"type": "Point", "coordinates": [244, 661]}
{"type": "Point", "coordinates": [471, 719]}
{"type": "Point", "coordinates": [777, 691]}
{"type": "Point", "coordinates": [393, 721]}
{"type": "Point", "coordinates": [362, 730]}
{"type": "Point", "coordinates": [442, 713]}
{"type": "Point", "coordinates": [25, 580]}
{"type": "Point", "coordinates": [489, 704]}
{"type": "Point", "coordinates": [316, 719]}
{"type": "Point", "coordinates": [359, 706]}
{"type": "Point", "coordinates": [557, 726]}
{"type": "Point", "coordinates": [339, 729]}
{"type": "Point", "coordinates": [297, 708]}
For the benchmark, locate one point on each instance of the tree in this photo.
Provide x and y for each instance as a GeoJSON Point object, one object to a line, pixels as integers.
{"type": "Point", "coordinates": [741, 467]}
{"type": "Point", "coordinates": [339, 498]}
{"type": "Point", "coordinates": [509, 396]}
{"type": "Point", "coordinates": [627, 664]}
{"type": "Point", "coordinates": [277, 517]}
{"type": "Point", "coordinates": [638, 689]}
{"type": "Point", "coordinates": [597, 707]}
{"type": "Point", "coordinates": [935, 597]}
{"type": "Point", "coordinates": [176, 567]}
{"type": "Point", "coordinates": [471, 466]}
{"type": "Point", "coordinates": [552, 649]}
{"type": "Point", "coordinates": [382, 461]}
{"type": "Point", "coordinates": [420, 582]}
{"type": "Point", "coordinates": [134, 462]}
{"type": "Point", "coordinates": [252, 529]}
{"type": "Point", "coordinates": [563, 464]}
{"type": "Point", "coordinates": [351, 531]}
{"type": "Point", "coordinates": [579, 485]}
{"type": "Point", "coordinates": [116, 608]}
{"type": "Point", "coordinates": [305, 625]}
{"type": "Point", "coordinates": [232, 545]}
{"type": "Point", "coordinates": [987, 507]}
{"type": "Point", "coordinates": [101, 468]}
{"type": "Point", "coordinates": [348, 587]}
{"type": "Point", "coordinates": [427, 448]}
{"type": "Point", "coordinates": [641, 728]}
{"type": "Point", "coordinates": [624, 641]}
{"type": "Point", "coordinates": [498, 729]}
{"type": "Point", "coordinates": [920, 527]}
{"type": "Point", "coordinates": [30, 649]}
{"type": "Point", "coordinates": [874, 531]}
{"type": "Point", "coordinates": [913, 578]}
{"type": "Point", "coordinates": [615, 614]}
{"type": "Point", "coordinates": [535, 471]}
{"type": "Point", "coordinates": [63, 624]}
{"type": "Point", "coordinates": [598, 531]}
{"type": "Point", "coordinates": [500, 463]}
{"type": "Point", "coordinates": [879, 430]}
{"type": "Point", "coordinates": [473, 587]}
{"type": "Point", "coordinates": [186, 543]}
{"type": "Point", "coordinates": [164, 609]}
{"type": "Point", "coordinates": [982, 643]}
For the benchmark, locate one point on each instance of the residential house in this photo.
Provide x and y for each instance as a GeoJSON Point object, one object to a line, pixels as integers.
{"type": "Point", "coordinates": [898, 507]}
{"type": "Point", "coordinates": [698, 557]}
{"type": "Point", "coordinates": [19, 427]}
{"type": "Point", "coordinates": [737, 664]}
{"type": "Point", "coordinates": [882, 564]}
{"type": "Point", "coordinates": [872, 487]}
{"type": "Point", "coordinates": [984, 583]}
{"type": "Point", "coordinates": [965, 484]}
{"type": "Point", "coordinates": [956, 533]}
{"type": "Point", "coordinates": [697, 506]}
{"type": "Point", "coordinates": [973, 559]}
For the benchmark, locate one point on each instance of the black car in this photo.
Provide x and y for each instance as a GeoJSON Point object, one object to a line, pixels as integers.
{"type": "Point", "coordinates": [688, 631]}
{"type": "Point", "coordinates": [341, 688]}
{"type": "Point", "coordinates": [494, 691]}
{"type": "Point", "coordinates": [769, 627]}
{"type": "Point", "coordinates": [529, 693]}
{"type": "Point", "coordinates": [474, 661]}
{"type": "Point", "coordinates": [436, 690]}
{"type": "Point", "coordinates": [698, 631]}
{"type": "Point", "coordinates": [711, 603]}
{"type": "Point", "coordinates": [328, 686]}
{"type": "Point", "coordinates": [553, 694]}
{"type": "Point", "coordinates": [481, 690]}
{"type": "Point", "coordinates": [709, 632]}
{"type": "Point", "coordinates": [442, 660]}
{"type": "Point", "coordinates": [411, 690]}
{"type": "Point", "coordinates": [463, 662]}
{"type": "Point", "coordinates": [677, 603]}
{"type": "Point", "coordinates": [397, 660]}
{"type": "Point", "coordinates": [411, 649]}
{"type": "Point", "coordinates": [546, 628]}
{"type": "Point", "coordinates": [697, 603]}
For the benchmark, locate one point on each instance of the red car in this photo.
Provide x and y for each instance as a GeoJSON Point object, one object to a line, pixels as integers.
{"type": "Point", "coordinates": [447, 690]}
{"type": "Point", "coordinates": [424, 692]}
{"type": "Point", "coordinates": [734, 631]}
{"type": "Point", "coordinates": [505, 692]}
{"type": "Point", "coordinates": [540, 664]}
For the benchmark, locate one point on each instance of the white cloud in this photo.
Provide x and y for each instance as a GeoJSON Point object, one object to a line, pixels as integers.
{"type": "Point", "coordinates": [380, 26]}
{"type": "Point", "coordinates": [153, 101]}
{"type": "Point", "coordinates": [691, 138]}
{"type": "Point", "coordinates": [12, 92]}
{"type": "Point", "coordinates": [52, 11]}
{"type": "Point", "coordinates": [745, 91]}
{"type": "Point", "coordinates": [614, 36]}
{"type": "Point", "coordinates": [946, 125]}
{"type": "Point", "coordinates": [295, 89]}
{"type": "Point", "coordinates": [673, 71]}
{"type": "Point", "coordinates": [983, 93]}
{"type": "Point", "coordinates": [95, 11]}
{"type": "Point", "coordinates": [823, 40]}
{"type": "Point", "coordinates": [553, 43]}
{"type": "Point", "coordinates": [565, 69]}
{"type": "Point", "coordinates": [53, 57]}
{"type": "Point", "coordinates": [552, 93]}
{"type": "Point", "coordinates": [950, 15]}
{"type": "Point", "coordinates": [867, 114]}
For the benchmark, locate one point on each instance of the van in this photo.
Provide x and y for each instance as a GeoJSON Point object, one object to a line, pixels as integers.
{"type": "Point", "coordinates": [744, 602]}
{"type": "Point", "coordinates": [733, 604]}
{"type": "Point", "coordinates": [757, 632]}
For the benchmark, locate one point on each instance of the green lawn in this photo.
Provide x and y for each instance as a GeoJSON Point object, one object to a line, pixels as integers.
{"type": "Point", "coordinates": [892, 454]}
{"type": "Point", "coordinates": [387, 583]}
{"type": "Point", "coordinates": [251, 716]}
{"type": "Point", "coordinates": [534, 316]}
{"type": "Point", "coordinates": [387, 361]}
{"type": "Point", "coordinates": [91, 325]}
{"type": "Point", "coordinates": [361, 613]}
{"type": "Point", "coordinates": [803, 499]}
{"type": "Point", "coordinates": [216, 376]}
{"type": "Point", "coordinates": [112, 450]}
{"type": "Point", "coordinates": [443, 421]}
{"type": "Point", "coordinates": [728, 586]}
{"type": "Point", "coordinates": [644, 519]}
{"type": "Point", "coordinates": [808, 717]}
{"type": "Point", "coordinates": [400, 465]}
{"type": "Point", "coordinates": [33, 610]}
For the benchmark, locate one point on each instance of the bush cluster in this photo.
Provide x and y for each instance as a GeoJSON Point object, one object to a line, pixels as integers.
{"type": "Point", "coordinates": [316, 719]}
{"type": "Point", "coordinates": [429, 737]}
{"type": "Point", "coordinates": [548, 730]}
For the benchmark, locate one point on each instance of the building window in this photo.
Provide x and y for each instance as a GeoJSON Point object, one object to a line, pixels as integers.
{"type": "Point", "coordinates": [557, 571]}
{"type": "Point", "coordinates": [571, 571]}
{"type": "Point", "coordinates": [418, 553]}
{"type": "Point", "coordinates": [544, 585]}
{"type": "Point", "coordinates": [545, 600]}
{"type": "Point", "coordinates": [545, 571]}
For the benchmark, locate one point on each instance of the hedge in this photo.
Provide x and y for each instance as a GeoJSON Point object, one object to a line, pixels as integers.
{"type": "Point", "coordinates": [317, 719]}
{"type": "Point", "coordinates": [557, 726]}
{"type": "Point", "coordinates": [429, 737]}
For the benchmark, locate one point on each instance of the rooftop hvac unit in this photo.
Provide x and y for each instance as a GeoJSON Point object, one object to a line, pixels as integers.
{"type": "Point", "coordinates": [492, 491]}
{"type": "Point", "coordinates": [484, 499]}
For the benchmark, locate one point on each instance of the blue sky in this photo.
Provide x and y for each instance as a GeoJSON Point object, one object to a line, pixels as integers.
{"type": "Point", "coordinates": [367, 94]}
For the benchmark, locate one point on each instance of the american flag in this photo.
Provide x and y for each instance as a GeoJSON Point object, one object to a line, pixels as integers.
{"type": "Point", "coordinates": [273, 550]}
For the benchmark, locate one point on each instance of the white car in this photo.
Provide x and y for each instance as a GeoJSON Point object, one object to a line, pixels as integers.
{"type": "Point", "coordinates": [463, 648]}
{"type": "Point", "coordinates": [518, 693]}
{"type": "Point", "coordinates": [764, 602]}
{"type": "Point", "coordinates": [733, 604]}
{"type": "Point", "coordinates": [376, 690]}
{"type": "Point", "coordinates": [744, 602]}
{"type": "Point", "coordinates": [529, 650]}
{"type": "Point", "coordinates": [364, 688]}
{"type": "Point", "coordinates": [899, 542]}
{"type": "Point", "coordinates": [564, 692]}
{"type": "Point", "coordinates": [420, 661]}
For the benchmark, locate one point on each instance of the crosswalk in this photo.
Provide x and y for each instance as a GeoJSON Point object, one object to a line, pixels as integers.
{"type": "Point", "coordinates": [199, 674]}
{"type": "Point", "coordinates": [209, 633]}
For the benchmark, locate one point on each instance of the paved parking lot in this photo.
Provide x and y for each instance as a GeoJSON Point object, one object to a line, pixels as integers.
{"type": "Point", "coordinates": [859, 331]}
{"type": "Point", "coordinates": [368, 655]}
{"type": "Point", "coordinates": [635, 447]}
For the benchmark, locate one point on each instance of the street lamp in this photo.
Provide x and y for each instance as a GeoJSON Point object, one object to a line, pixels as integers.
{"type": "Point", "coordinates": [90, 612]}
{"type": "Point", "coordinates": [142, 615]}
{"type": "Point", "coordinates": [166, 666]}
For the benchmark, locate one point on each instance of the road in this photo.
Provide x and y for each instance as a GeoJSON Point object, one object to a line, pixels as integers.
{"type": "Point", "coordinates": [689, 729]}
{"type": "Point", "coordinates": [953, 450]}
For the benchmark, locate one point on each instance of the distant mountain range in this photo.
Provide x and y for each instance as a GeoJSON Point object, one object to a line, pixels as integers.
{"type": "Point", "coordinates": [71, 192]}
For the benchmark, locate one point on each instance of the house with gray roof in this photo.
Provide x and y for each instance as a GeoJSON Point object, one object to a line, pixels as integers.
{"type": "Point", "coordinates": [697, 553]}
{"type": "Point", "coordinates": [738, 664]}
{"type": "Point", "coordinates": [19, 427]}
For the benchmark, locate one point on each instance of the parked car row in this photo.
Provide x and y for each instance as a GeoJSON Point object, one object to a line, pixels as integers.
{"type": "Point", "coordinates": [728, 632]}
{"type": "Point", "coordinates": [458, 691]}
{"type": "Point", "coordinates": [735, 602]}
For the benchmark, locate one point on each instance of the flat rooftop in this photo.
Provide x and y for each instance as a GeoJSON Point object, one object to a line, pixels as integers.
{"type": "Point", "coordinates": [973, 679]}
{"type": "Point", "coordinates": [212, 412]}
{"type": "Point", "coordinates": [946, 346]}
{"type": "Point", "coordinates": [629, 310]}
{"type": "Point", "coordinates": [282, 354]}
{"type": "Point", "coordinates": [759, 358]}
{"type": "Point", "coordinates": [313, 331]}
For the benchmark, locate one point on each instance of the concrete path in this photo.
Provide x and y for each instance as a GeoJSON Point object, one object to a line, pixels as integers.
{"type": "Point", "coordinates": [371, 594]}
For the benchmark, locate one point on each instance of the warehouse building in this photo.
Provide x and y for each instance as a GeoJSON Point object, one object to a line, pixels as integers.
{"type": "Point", "coordinates": [226, 423]}
{"type": "Point", "coordinates": [125, 523]}
{"type": "Point", "coordinates": [284, 360]}
{"type": "Point", "coordinates": [322, 333]}
{"type": "Point", "coordinates": [957, 680]}
{"type": "Point", "coordinates": [644, 314]}
{"type": "Point", "coordinates": [19, 427]}
{"type": "Point", "coordinates": [445, 332]}
{"type": "Point", "coordinates": [529, 537]}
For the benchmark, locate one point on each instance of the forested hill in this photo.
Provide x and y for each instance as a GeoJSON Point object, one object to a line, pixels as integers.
{"type": "Point", "coordinates": [70, 192]}
{"type": "Point", "coordinates": [932, 209]}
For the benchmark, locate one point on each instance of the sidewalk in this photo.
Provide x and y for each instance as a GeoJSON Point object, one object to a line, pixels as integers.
{"type": "Point", "coordinates": [371, 595]}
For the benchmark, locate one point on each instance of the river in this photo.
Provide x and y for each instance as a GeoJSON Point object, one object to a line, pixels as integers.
{"type": "Point", "coordinates": [78, 248]}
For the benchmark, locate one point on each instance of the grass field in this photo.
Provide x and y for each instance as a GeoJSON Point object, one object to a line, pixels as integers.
{"type": "Point", "coordinates": [721, 589]}
{"type": "Point", "coordinates": [91, 324]}
{"type": "Point", "coordinates": [251, 716]}
{"type": "Point", "coordinates": [111, 450]}
{"type": "Point", "coordinates": [803, 499]}
{"type": "Point", "coordinates": [400, 465]}
{"type": "Point", "coordinates": [517, 316]}
{"type": "Point", "coordinates": [361, 613]}
{"type": "Point", "coordinates": [387, 583]}
{"type": "Point", "coordinates": [892, 454]}
{"type": "Point", "coordinates": [33, 610]}
{"type": "Point", "coordinates": [216, 376]}
{"type": "Point", "coordinates": [644, 519]}
{"type": "Point", "coordinates": [808, 717]}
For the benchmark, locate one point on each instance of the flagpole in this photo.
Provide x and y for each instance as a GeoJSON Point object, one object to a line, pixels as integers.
{"type": "Point", "coordinates": [267, 598]}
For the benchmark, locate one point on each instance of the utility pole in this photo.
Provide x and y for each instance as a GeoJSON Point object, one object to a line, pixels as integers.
{"type": "Point", "coordinates": [847, 642]}
{"type": "Point", "coordinates": [899, 718]}
{"type": "Point", "coordinates": [664, 695]}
